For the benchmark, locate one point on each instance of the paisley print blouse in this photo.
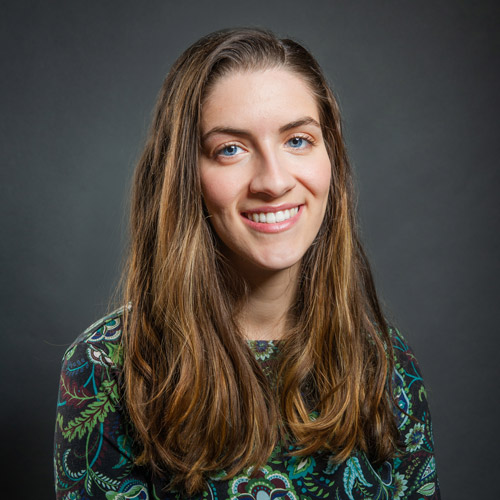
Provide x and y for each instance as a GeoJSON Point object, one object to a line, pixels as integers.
{"type": "Point", "coordinates": [94, 458]}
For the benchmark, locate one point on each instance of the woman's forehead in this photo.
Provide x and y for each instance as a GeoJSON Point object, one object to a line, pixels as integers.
{"type": "Point", "coordinates": [258, 96]}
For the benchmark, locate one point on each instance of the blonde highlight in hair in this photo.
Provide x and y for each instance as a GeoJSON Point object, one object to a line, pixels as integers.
{"type": "Point", "coordinates": [194, 391]}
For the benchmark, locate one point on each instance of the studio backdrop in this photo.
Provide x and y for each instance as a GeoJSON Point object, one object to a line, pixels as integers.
{"type": "Point", "coordinates": [418, 87]}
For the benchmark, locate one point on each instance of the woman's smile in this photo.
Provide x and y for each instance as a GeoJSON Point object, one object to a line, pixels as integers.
{"type": "Point", "coordinates": [272, 219]}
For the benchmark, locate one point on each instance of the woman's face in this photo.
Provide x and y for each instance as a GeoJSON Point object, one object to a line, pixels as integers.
{"type": "Point", "coordinates": [265, 171]}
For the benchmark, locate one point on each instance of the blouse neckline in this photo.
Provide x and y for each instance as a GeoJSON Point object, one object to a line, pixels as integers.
{"type": "Point", "coordinates": [264, 350]}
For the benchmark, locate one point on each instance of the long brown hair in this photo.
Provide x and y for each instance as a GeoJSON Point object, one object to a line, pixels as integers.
{"type": "Point", "coordinates": [194, 391]}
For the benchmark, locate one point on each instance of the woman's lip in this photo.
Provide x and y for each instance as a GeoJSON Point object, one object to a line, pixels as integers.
{"type": "Point", "coordinates": [271, 208]}
{"type": "Point", "coordinates": [274, 227]}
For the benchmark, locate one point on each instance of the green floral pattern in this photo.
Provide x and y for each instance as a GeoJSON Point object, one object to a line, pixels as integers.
{"type": "Point", "coordinates": [94, 448]}
{"type": "Point", "coordinates": [266, 484]}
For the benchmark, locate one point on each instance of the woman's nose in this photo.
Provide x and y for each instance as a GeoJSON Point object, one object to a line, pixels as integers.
{"type": "Point", "coordinates": [272, 175]}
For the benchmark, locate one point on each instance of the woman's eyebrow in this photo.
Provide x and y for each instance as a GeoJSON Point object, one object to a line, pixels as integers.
{"type": "Point", "coordinates": [306, 120]}
{"type": "Point", "coordinates": [225, 130]}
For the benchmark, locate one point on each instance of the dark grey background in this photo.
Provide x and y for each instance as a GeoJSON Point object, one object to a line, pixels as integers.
{"type": "Point", "coordinates": [418, 83]}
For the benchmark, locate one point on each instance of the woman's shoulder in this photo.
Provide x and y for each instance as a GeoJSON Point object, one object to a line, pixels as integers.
{"type": "Point", "coordinates": [415, 466]}
{"type": "Point", "coordinates": [93, 449]}
{"type": "Point", "coordinates": [100, 344]}
{"type": "Point", "coordinates": [409, 390]}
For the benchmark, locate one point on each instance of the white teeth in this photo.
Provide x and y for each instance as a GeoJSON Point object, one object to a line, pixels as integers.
{"type": "Point", "coordinates": [273, 217]}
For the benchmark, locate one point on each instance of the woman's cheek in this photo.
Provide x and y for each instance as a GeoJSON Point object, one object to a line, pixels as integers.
{"type": "Point", "coordinates": [220, 188]}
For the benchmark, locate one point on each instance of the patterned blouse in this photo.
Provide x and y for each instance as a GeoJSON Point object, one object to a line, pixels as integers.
{"type": "Point", "coordinates": [93, 453]}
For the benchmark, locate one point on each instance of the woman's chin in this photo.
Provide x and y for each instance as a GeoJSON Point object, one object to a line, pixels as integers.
{"type": "Point", "coordinates": [252, 268]}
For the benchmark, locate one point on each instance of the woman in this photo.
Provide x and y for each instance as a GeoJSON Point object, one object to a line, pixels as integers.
{"type": "Point", "coordinates": [253, 359]}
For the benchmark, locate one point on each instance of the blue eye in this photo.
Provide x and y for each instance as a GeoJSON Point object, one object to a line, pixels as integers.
{"type": "Point", "coordinates": [230, 150]}
{"type": "Point", "coordinates": [297, 142]}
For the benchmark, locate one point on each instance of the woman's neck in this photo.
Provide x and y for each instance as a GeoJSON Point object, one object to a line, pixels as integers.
{"type": "Point", "coordinates": [265, 313]}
